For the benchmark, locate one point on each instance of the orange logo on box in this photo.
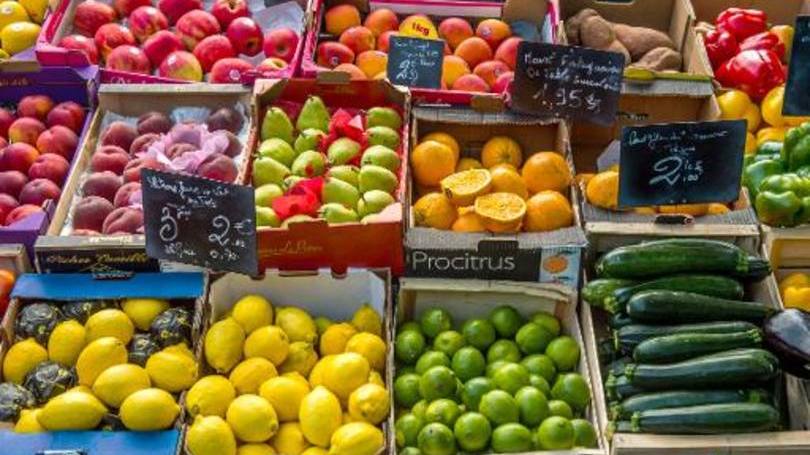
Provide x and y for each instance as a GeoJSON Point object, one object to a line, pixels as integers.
{"type": "Point", "coordinates": [555, 264]}
{"type": "Point", "coordinates": [418, 27]}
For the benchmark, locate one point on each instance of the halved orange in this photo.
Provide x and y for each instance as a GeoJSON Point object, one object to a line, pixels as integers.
{"type": "Point", "coordinates": [463, 187]}
{"type": "Point", "coordinates": [501, 212]}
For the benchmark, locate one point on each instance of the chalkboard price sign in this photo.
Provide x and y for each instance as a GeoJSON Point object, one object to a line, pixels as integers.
{"type": "Point", "coordinates": [199, 221]}
{"type": "Point", "coordinates": [567, 82]}
{"type": "Point", "coordinates": [797, 97]}
{"type": "Point", "coordinates": [681, 163]}
{"type": "Point", "coordinates": [415, 62]}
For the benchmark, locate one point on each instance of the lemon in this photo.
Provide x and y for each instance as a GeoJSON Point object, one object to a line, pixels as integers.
{"type": "Point", "coordinates": [255, 449]}
{"type": "Point", "coordinates": [72, 410]}
{"type": "Point", "coordinates": [252, 312]}
{"type": "Point", "coordinates": [369, 403]}
{"type": "Point", "coordinates": [334, 339]}
{"type": "Point", "coordinates": [346, 372]}
{"type": "Point", "coordinates": [369, 346]}
{"type": "Point", "coordinates": [210, 395]}
{"type": "Point", "coordinates": [251, 373]}
{"type": "Point", "coordinates": [172, 371]}
{"type": "Point", "coordinates": [356, 438]}
{"type": "Point", "coordinates": [316, 375]}
{"type": "Point", "coordinates": [322, 324]}
{"type": "Point", "coordinates": [269, 342]}
{"type": "Point", "coordinates": [11, 12]}
{"type": "Point", "coordinates": [109, 323]}
{"type": "Point", "coordinates": [149, 410]}
{"type": "Point", "coordinates": [22, 358]}
{"type": "Point", "coordinates": [296, 376]}
{"type": "Point", "coordinates": [252, 418]}
{"type": "Point", "coordinates": [223, 345]}
{"type": "Point", "coordinates": [285, 394]}
{"type": "Point", "coordinates": [302, 358]}
{"type": "Point", "coordinates": [320, 415]}
{"type": "Point", "coordinates": [375, 378]}
{"type": "Point", "coordinates": [210, 435]}
{"type": "Point", "coordinates": [143, 311]}
{"type": "Point", "coordinates": [289, 440]}
{"type": "Point", "coordinates": [297, 324]}
{"type": "Point", "coordinates": [28, 422]}
{"type": "Point", "coordinates": [180, 349]}
{"type": "Point", "coordinates": [35, 8]}
{"type": "Point", "coordinates": [315, 451]}
{"type": "Point", "coordinates": [97, 357]}
{"type": "Point", "coordinates": [347, 418]}
{"type": "Point", "coordinates": [66, 342]}
{"type": "Point", "coordinates": [118, 382]}
{"type": "Point", "coordinates": [19, 36]}
{"type": "Point", "coordinates": [366, 319]}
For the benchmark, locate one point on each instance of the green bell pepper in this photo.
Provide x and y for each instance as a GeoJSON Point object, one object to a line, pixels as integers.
{"type": "Point", "coordinates": [804, 214]}
{"type": "Point", "coordinates": [769, 148]}
{"type": "Point", "coordinates": [756, 172]}
{"type": "Point", "coordinates": [778, 209]}
{"type": "Point", "coordinates": [796, 149]}
{"type": "Point", "coordinates": [785, 182]}
{"type": "Point", "coordinates": [803, 172]}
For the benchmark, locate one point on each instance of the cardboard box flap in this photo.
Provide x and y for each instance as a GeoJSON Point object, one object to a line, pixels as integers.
{"type": "Point", "coordinates": [61, 83]}
{"type": "Point", "coordinates": [666, 87]}
{"type": "Point", "coordinates": [427, 238]}
{"type": "Point", "coordinates": [591, 213]}
{"type": "Point", "coordinates": [465, 116]}
{"type": "Point", "coordinates": [91, 442]}
{"type": "Point", "coordinates": [73, 286]}
{"type": "Point", "coordinates": [525, 10]}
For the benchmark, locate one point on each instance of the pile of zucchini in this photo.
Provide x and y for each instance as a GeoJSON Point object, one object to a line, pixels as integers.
{"type": "Point", "coordinates": [686, 353]}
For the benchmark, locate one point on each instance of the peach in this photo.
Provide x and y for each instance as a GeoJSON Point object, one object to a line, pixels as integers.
{"type": "Point", "coordinates": [67, 114]}
{"type": "Point", "coordinates": [25, 129]}
{"type": "Point", "coordinates": [125, 7]}
{"type": "Point", "coordinates": [507, 51]}
{"type": "Point", "coordinates": [224, 118]}
{"type": "Point", "coordinates": [382, 40]}
{"type": "Point", "coordinates": [7, 205]}
{"type": "Point", "coordinates": [493, 31]}
{"type": "Point", "coordinates": [58, 139]}
{"type": "Point", "coordinates": [372, 62]}
{"type": "Point", "coordinates": [142, 143]}
{"type": "Point", "coordinates": [474, 51]}
{"type": "Point", "coordinates": [154, 122]}
{"type": "Point", "coordinates": [447, 50]}
{"type": "Point", "coordinates": [227, 10]}
{"type": "Point", "coordinates": [331, 54]}
{"type": "Point", "coordinates": [381, 20]}
{"type": "Point", "coordinates": [22, 212]}
{"type": "Point", "coordinates": [132, 173]}
{"type": "Point", "coordinates": [229, 71]}
{"type": "Point", "coordinates": [18, 157]}
{"type": "Point", "coordinates": [470, 83]}
{"type": "Point", "coordinates": [271, 64]}
{"type": "Point", "coordinates": [123, 220]}
{"type": "Point", "coordinates": [452, 68]}
{"type": "Point", "coordinates": [92, 14]}
{"type": "Point", "coordinates": [145, 21]}
{"type": "Point", "coordinates": [355, 73]}
{"type": "Point", "coordinates": [103, 184]}
{"type": "Point", "coordinates": [50, 166]}
{"type": "Point", "coordinates": [90, 213]}
{"type": "Point", "coordinates": [81, 43]}
{"type": "Point", "coordinates": [358, 39]}
{"type": "Point", "coordinates": [161, 44]}
{"type": "Point", "coordinates": [130, 59]}
{"type": "Point", "coordinates": [120, 134]}
{"type": "Point", "coordinates": [454, 30]}
{"type": "Point", "coordinates": [181, 65]}
{"type": "Point", "coordinates": [37, 191]}
{"type": "Point", "coordinates": [6, 119]}
{"type": "Point", "coordinates": [341, 17]}
{"type": "Point", "coordinates": [174, 9]}
{"type": "Point", "coordinates": [36, 106]}
{"type": "Point", "coordinates": [110, 36]}
{"type": "Point", "coordinates": [195, 25]}
{"type": "Point", "coordinates": [211, 49]}
{"type": "Point", "coordinates": [503, 82]}
{"type": "Point", "coordinates": [281, 43]}
{"type": "Point", "coordinates": [12, 182]}
{"type": "Point", "coordinates": [234, 147]}
{"type": "Point", "coordinates": [109, 158]}
{"type": "Point", "coordinates": [218, 167]}
{"type": "Point", "coordinates": [490, 70]}
{"type": "Point", "coordinates": [123, 196]}
{"type": "Point", "coordinates": [178, 150]}
{"type": "Point", "coordinates": [245, 35]}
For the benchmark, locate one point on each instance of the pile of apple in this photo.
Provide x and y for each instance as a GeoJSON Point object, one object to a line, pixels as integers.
{"type": "Point", "coordinates": [476, 60]}
{"type": "Point", "coordinates": [20, 25]}
{"type": "Point", "coordinates": [37, 143]}
{"type": "Point", "coordinates": [178, 39]}
{"type": "Point", "coordinates": [110, 201]}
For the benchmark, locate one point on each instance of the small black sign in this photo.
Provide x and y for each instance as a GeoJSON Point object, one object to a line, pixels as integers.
{"type": "Point", "coordinates": [514, 265]}
{"type": "Point", "coordinates": [797, 97]}
{"type": "Point", "coordinates": [681, 163]}
{"type": "Point", "coordinates": [415, 62]}
{"type": "Point", "coordinates": [199, 221]}
{"type": "Point", "coordinates": [567, 81]}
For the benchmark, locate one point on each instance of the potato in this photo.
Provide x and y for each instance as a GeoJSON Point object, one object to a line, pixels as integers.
{"type": "Point", "coordinates": [617, 46]}
{"type": "Point", "coordinates": [573, 24]}
{"type": "Point", "coordinates": [640, 40]}
{"type": "Point", "coordinates": [660, 59]}
{"type": "Point", "coordinates": [596, 33]}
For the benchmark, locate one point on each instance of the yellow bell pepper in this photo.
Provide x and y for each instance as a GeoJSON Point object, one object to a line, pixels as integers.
{"type": "Point", "coordinates": [750, 144]}
{"type": "Point", "coordinates": [774, 133]}
{"type": "Point", "coordinates": [734, 104]}
{"type": "Point", "coordinates": [785, 34]}
{"type": "Point", "coordinates": [795, 297]}
{"type": "Point", "coordinates": [799, 280]}
{"type": "Point", "coordinates": [752, 117]}
{"type": "Point", "coordinates": [772, 109]}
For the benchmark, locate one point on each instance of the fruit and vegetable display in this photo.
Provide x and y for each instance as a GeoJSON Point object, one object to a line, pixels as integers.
{"type": "Point", "coordinates": [284, 382]}
{"type": "Point", "coordinates": [500, 384]}
{"type": "Point", "coordinates": [97, 364]}
{"type": "Point", "coordinates": [38, 138]}
{"type": "Point", "coordinates": [479, 56]}
{"type": "Point", "coordinates": [341, 165]}
{"type": "Point", "coordinates": [181, 39]}
{"type": "Point", "coordinates": [20, 24]}
{"type": "Point", "coordinates": [504, 189]}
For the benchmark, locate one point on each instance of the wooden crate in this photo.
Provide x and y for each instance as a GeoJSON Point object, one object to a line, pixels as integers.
{"type": "Point", "coordinates": [787, 247]}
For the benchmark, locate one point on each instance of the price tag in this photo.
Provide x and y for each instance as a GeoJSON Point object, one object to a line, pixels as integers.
{"type": "Point", "coordinates": [797, 97]}
{"type": "Point", "coordinates": [567, 82]}
{"type": "Point", "coordinates": [199, 221]}
{"type": "Point", "coordinates": [681, 163]}
{"type": "Point", "coordinates": [415, 62]}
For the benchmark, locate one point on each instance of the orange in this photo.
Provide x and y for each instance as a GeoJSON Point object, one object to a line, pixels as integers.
{"type": "Point", "coordinates": [431, 162]}
{"type": "Point", "coordinates": [717, 209]}
{"type": "Point", "coordinates": [446, 139]}
{"type": "Point", "coordinates": [583, 179]}
{"type": "Point", "coordinates": [465, 164]}
{"type": "Point", "coordinates": [687, 209]}
{"type": "Point", "coordinates": [603, 190]}
{"type": "Point", "coordinates": [501, 212]}
{"type": "Point", "coordinates": [546, 171]}
{"type": "Point", "coordinates": [434, 210]}
{"type": "Point", "coordinates": [506, 179]}
{"type": "Point", "coordinates": [422, 190]}
{"type": "Point", "coordinates": [468, 221]}
{"type": "Point", "coordinates": [547, 211]}
{"type": "Point", "coordinates": [463, 187]}
{"type": "Point", "coordinates": [7, 279]}
{"type": "Point", "coordinates": [501, 149]}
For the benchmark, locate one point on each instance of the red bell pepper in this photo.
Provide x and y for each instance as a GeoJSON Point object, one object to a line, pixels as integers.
{"type": "Point", "coordinates": [766, 41]}
{"type": "Point", "coordinates": [721, 46]}
{"type": "Point", "coordinates": [742, 23]}
{"type": "Point", "coordinates": [755, 72]}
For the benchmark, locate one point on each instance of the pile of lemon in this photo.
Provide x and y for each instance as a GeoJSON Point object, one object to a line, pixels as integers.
{"type": "Point", "coordinates": [20, 23]}
{"type": "Point", "coordinates": [290, 384]}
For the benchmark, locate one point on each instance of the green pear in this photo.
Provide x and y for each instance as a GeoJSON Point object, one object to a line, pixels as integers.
{"type": "Point", "coordinates": [374, 201]}
{"type": "Point", "coordinates": [383, 116]}
{"type": "Point", "coordinates": [309, 164]}
{"type": "Point", "coordinates": [277, 124]}
{"type": "Point", "coordinates": [336, 213]}
{"type": "Point", "coordinates": [308, 140]}
{"type": "Point", "coordinates": [342, 151]}
{"type": "Point", "coordinates": [267, 170]}
{"type": "Point", "coordinates": [265, 216]}
{"type": "Point", "coordinates": [381, 156]}
{"type": "Point", "coordinates": [265, 194]}
{"type": "Point", "coordinates": [291, 180]}
{"type": "Point", "coordinates": [300, 218]}
{"type": "Point", "coordinates": [347, 173]}
{"type": "Point", "coordinates": [382, 135]}
{"type": "Point", "coordinates": [340, 192]}
{"type": "Point", "coordinates": [373, 177]}
{"type": "Point", "coordinates": [313, 115]}
{"type": "Point", "coordinates": [277, 149]}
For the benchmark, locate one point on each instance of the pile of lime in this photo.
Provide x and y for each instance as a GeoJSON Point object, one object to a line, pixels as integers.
{"type": "Point", "coordinates": [501, 384]}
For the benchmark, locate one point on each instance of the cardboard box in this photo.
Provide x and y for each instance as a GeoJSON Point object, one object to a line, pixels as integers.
{"type": "Point", "coordinates": [526, 256]}
{"type": "Point", "coordinates": [59, 251]}
{"type": "Point", "coordinates": [469, 299]}
{"type": "Point", "coordinates": [187, 289]}
{"type": "Point", "coordinates": [314, 244]}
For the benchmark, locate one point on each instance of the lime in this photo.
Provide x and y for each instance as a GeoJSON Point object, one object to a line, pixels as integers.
{"type": "Point", "coordinates": [547, 321]}
{"type": "Point", "coordinates": [499, 407]}
{"type": "Point", "coordinates": [540, 384]}
{"type": "Point", "coordinates": [573, 389]}
{"type": "Point", "coordinates": [406, 390]}
{"type": "Point", "coordinates": [419, 409]}
{"type": "Point", "coordinates": [474, 389]}
{"type": "Point", "coordinates": [584, 433]}
{"type": "Point", "coordinates": [503, 350]}
{"type": "Point", "coordinates": [409, 451]}
{"type": "Point", "coordinates": [560, 408]}
{"type": "Point", "coordinates": [443, 411]}
{"type": "Point", "coordinates": [407, 429]}
{"type": "Point", "coordinates": [468, 363]}
{"type": "Point", "coordinates": [408, 346]}
{"type": "Point", "coordinates": [410, 325]}
{"type": "Point", "coordinates": [533, 406]}
{"type": "Point", "coordinates": [511, 377]}
{"type": "Point", "coordinates": [472, 432]}
{"type": "Point", "coordinates": [533, 338]}
{"type": "Point", "coordinates": [493, 367]}
{"type": "Point", "coordinates": [556, 433]}
{"type": "Point", "coordinates": [437, 382]}
{"type": "Point", "coordinates": [431, 359]}
{"type": "Point", "coordinates": [449, 342]}
{"type": "Point", "coordinates": [540, 364]}
{"type": "Point", "coordinates": [479, 333]}
{"type": "Point", "coordinates": [437, 439]}
{"type": "Point", "coordinates": [402, 371]}
{"type": "Point", "coordinates": [435, 321]}
{"type": "Point", "coordinates": [506, 321]}
{"type": "Point", "coordinates": [564, 351]}
{"type": "Point", "coordinates": [511, 438]}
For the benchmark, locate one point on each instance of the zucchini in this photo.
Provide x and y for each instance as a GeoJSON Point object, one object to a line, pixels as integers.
{"type": "Point", "coordinates": [710, 285]}
{"type": "Point", "coordinates": [619, 320]}
{"type": "Point", "coordinates": [707, 419]}
{"type": "Point", "coordinates": [681, 398]}
{"type": "Point", "coordinates": [673, 306]}
{"type": "Point", "coordinates": [683, 346]}
{"type": "Point", "coordinates": [668, 257]}
{"type": "Point", "coordinates": [628, 337]}
{"type": "Point", "coordinates": [616, 367]}
{"type": "Point", "coordinates": [736, 368]}
{"type": "Point", "coordinates": [597, 291]}
{"type": "Point", "coordinates": [618, 387]}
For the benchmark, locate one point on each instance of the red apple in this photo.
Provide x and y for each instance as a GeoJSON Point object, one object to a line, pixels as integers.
{"type": "Point", "coordinates": [145, 21]}
{"type": "Point", "coordinates": [281, 43]}
{"type": "Point", "coordinates": [194, 26]}
{"type": "Point", "coordinates": [503, 82]}
{"type": "Point", "coordinates": [229, 71]}
{"type": "Point", "coordinates": [211, 49]}
{"type": "Point", "coordinates": [271, 64]}
{"type": "Point", "coordinates": [245, 35]}
{"type": "Point", "coordinates": [174, 9]}
{"type": "Point", "coordinates": [227, 10]}
{"type": "Point", "coordinates": [92, 14]}
{"type": "Point", "coordinates": [129, 58]}
{"type": "Point", "coordinates": [81, 43]}
{"type": "Point", "coordinates": [126, 7]}
{"type": "Point", "coordinates": [110, 36]}
{"type": "Point", "coordinates": [161, 44]}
